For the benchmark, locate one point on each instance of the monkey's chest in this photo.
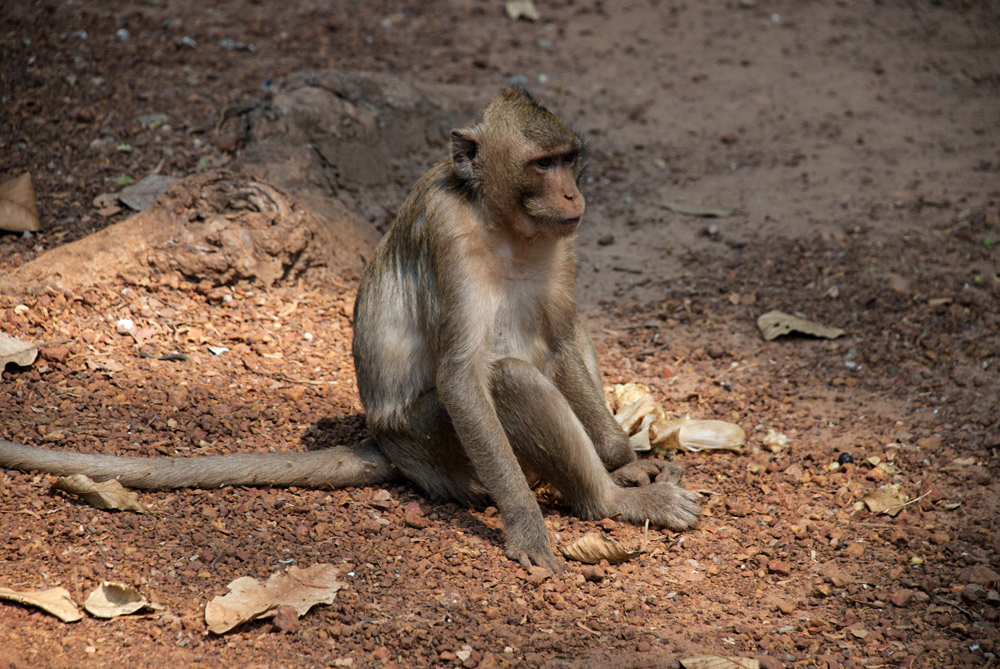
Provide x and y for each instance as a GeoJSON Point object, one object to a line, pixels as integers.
{"type": "Point", "coordinates": [520, 331]}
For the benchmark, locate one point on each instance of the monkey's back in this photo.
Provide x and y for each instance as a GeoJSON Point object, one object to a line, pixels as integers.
{"type": "Point", "coordinates": [397, 309]}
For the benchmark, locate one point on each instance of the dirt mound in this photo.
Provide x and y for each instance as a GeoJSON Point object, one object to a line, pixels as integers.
{"type": "Point", "coordinates": [323, 137]}
{"type": "Point", "coordinates": [331, 137]}
{"type": "Point", "coordinates": [219, 227]}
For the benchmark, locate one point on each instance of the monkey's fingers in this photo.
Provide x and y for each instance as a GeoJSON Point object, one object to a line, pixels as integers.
{"type": "Point", "coordinates": [634, 475]}
{"type": "Point", "coordinates": [643, 472]}
{"type": "Point", "coordinates": [669, 473]}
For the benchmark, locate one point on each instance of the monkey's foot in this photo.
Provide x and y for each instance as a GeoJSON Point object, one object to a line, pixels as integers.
{"type": "Point", "coordinates": [542, 558]}
{"type": "Point", "coordinates": [665, 504]}
{"type": "Point", "coordinates": [643, 472]}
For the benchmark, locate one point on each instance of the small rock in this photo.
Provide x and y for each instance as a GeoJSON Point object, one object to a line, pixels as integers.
{"type": "Point", "coordinates": [855, 550]}
{"type": "Point", "coordinates": [55, 353]}
{"type": "Point", "coordinates": [736, 508]}
{"type": "Point", "coordinates": [779, 567]}
{"type": "Point", "coordinates": [537, 575]}
{"type": "Point", "coordinates": [606, 240]}
{"type": "Point", "coordinates": [931, 443]}
{"type": "Point", "coordinates": [413, 516]}
{"type": "Point", "coordinates": [593, 573]}
{"type": "Point", "coordinates": [177, 397]}
{"type": "Point", "coordinates": [794, 473]}
{"type": "Point", "coordinates": [877, 474]}
{"type": "Point", "coordinates": [786, 606]}
{"type": "Point", "coordinates": [286, 619]}
{"type": "Point", "coordinates": [833, 575]}
{"type": "Point", "coordinates": [979, 574]}
{"type": "Point", "coordinates": [821, 590]}
{"type": "Point", "coordinates": [939, 538]}
{"type": "Point", "coordinates": [607, 524]}
{"type": "Point", "coordinates": [901, 597]}
{"type": "Point", "coordinates": [382, 500]}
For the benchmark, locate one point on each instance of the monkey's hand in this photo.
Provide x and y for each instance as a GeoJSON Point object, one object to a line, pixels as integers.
{"type": "Point", "coordinates": [643, 472]}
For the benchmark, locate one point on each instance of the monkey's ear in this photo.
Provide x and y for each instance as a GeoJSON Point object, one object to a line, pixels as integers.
{"type": "Point", "coordinates": [465, 153]}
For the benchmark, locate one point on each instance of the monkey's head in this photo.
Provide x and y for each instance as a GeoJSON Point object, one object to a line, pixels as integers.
{"type": "Point", "coordinates": [523, 164]}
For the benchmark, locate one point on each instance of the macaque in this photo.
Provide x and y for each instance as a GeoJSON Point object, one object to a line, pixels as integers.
{"type": "Point", "coordinates": [474, 371]}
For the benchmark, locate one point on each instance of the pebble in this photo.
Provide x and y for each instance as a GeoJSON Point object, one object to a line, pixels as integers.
{"type": "Point", "coordinates": [413, 515]}
{"type": "Point", "coordinates": [779, 567]}
{"type": "Point", "coordinates": [593, 573]}
{"type": "Point", "coordinates": [901, 597]}
{"type": "Point", "coordinates": [286, 619]}
{"type": "Point", "coordinates": [537, 575]}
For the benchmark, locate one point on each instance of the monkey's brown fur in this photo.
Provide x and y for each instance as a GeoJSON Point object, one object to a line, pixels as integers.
{"type": "Point", "coordinates": [472, 367]}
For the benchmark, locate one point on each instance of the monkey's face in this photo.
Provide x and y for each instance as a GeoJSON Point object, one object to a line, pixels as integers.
{"type": "Point", "coordinates": [549, 194]}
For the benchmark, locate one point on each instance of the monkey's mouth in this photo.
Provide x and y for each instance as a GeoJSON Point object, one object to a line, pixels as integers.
{"type": "Point", "coordinates": [568, 221]}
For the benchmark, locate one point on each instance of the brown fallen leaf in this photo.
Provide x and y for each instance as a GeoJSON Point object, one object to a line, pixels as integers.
{"type": "Point", "coordinates": [143, 195]}
{"type": "Point", "coordinates": [717, 662]}
{"type": "Point", "coordinates": [18, 208]}
{"type": "Point", "coordinates": [110, 600]}
{"type": "Point", "coordinates": [774, 324]}
{"type": "Point", "coordinates": [19, 352]}
{"type": "Point", "coordinates": [249, 600]}
{"type": "Point", "coordinates": [703, 210]}
{"type": "Point", "coordinates": [889, 499]}
{"type": "Point", "coordinates": [593, 547]}
{"type": "Point", "coordinates": [103, 495]}
{"type": "Point", "coordinates": [56, 601]}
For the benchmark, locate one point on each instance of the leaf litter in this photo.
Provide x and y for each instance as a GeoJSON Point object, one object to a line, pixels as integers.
{"type": "Point", "coordinates": [109, 495]}
{"type": "Point", "coordinates": [299, 588]}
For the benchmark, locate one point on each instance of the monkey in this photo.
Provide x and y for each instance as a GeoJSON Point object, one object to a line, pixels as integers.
{"type": "Point", "coordinates": [474, 371]}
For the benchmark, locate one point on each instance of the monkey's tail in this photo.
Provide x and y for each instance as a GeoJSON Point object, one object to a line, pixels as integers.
{"type": "Point", "coordinates": [358, 465]}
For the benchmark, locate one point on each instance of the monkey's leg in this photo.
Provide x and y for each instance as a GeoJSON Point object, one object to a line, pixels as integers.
{"type": "Point", "coordinates": [427, 450]}
{"type": "Point", "coordinates": [357, 465]}
{"type": "Point", "coordinates": [548, 437]}
{"type": "Point", "coordinates": [423, 445]}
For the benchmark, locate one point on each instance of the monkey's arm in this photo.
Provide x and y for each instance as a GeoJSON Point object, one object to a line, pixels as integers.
{"type": "Point", "coordinates": [361, 464]}
{"type": "Point", "coordinates": [463, 387]}
{"type": "Point", "coordinates": [578, 377]}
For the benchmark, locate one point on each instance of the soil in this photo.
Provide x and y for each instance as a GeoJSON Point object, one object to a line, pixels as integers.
{"type": "Point", "coordinates": [858, 145]}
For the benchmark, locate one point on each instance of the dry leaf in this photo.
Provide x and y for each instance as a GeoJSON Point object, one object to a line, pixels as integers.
{"type": "Point", "coordinates": [56, 601]}
{"type": "Point", "coordinates": [717, 662]}
{"type": "Point", "coordinates": [649, 428]}
{"type": "Point", "coordinates": [142, 195]}
{"type": "Point", "coordinates": [110, 600]}
{"type": "Point", "coordinates": [16, 351]}
{"type": "Point", "coordinates": [774, 324]}
{"type": "Point", "coordinates": [703, 210]}
{"type": "Point", "coordinates": [103, 495]}
{"type": "Point", "coordinates": [104, 365]}
{"type": "Point", "coordinates": [18, 209]}
{"type": "Point", "coordinates": [593, 547]}
{"type": "Point", "coordinates": [889, 499]}
{"type": "Point", "coordinates": [249, 600]}
{"type": "Point", "coordinates": [523, 9]}
{"type": "Point", "coordinates": [698, 435]}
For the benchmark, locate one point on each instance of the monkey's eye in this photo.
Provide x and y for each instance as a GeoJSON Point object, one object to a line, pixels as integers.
{"type": "Point", "coordinates": [545, 163]}
{"type": "Point", "coordinates": [570, 157]}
